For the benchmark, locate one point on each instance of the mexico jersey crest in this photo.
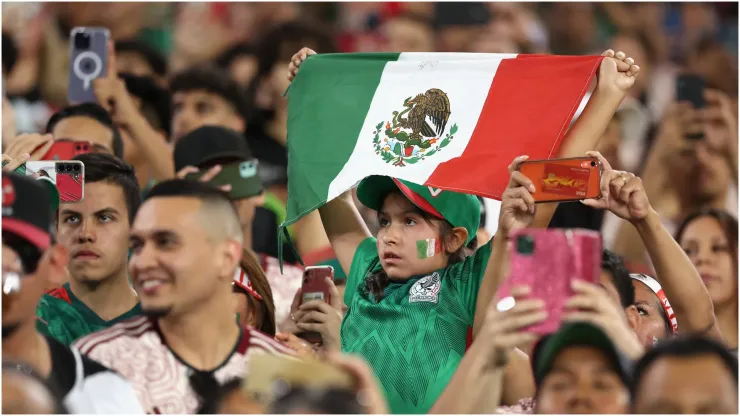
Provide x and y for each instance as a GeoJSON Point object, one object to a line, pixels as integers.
{"type": "Point", "coordinates": [426, 289]}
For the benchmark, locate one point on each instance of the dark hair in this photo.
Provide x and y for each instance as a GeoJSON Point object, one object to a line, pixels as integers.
{"type": "Point", "coordinates": [250, 264]}
{"type": "Point", "coordinates": [155, 101]}
{"type": "Point", "coordinates": [28, 371]}
{"type": "Point", "coordinates": [278, 45]}
{"type": "Point", "coordinates": [153, 57]}
{"type": "Point", "coordinates": [227, 58]}
{"type": "Point", "coordinates": [686, 347]}
{"type": "Point", "coordinates": [614, 265]}
{"type": "Point", "coordinates": [93, 111]}
{"type": "Point", "coordinates": [376, 282]}
{"type": "Point", "coordinates": [188, 188]}
{"type": "Point", "coordinates": [727, 222]}
{"type": "Point", "coordinates": [213, 80]}
{"type": "Point", "coordinates": [102, 167]}
{"type": "Point", "coordinates": [10, 53]}
{"type": "Point", "coordinates": [318, 401]}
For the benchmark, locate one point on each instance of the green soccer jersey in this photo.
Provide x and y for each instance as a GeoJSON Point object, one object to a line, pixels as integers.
{"type": "Point", "coordinates": [66, 319]}
{"type": "Point", "coordinates": [415, 337]}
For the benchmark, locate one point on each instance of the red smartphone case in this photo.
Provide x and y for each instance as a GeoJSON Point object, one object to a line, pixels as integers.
{"type": "Point", "coordinates": [67, 150]}
{"type": "Point", "coordinates": [70, 186]}
{"type": "Point", "coordinates": [557, 256]}
{"type": "Point", "coordinates": [315, 287]}
{"type": "Point", "coordinates": [558, 180]}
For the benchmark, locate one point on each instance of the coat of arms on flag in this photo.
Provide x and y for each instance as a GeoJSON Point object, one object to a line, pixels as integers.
{"type": "Point", "coordinates": [412, 135]}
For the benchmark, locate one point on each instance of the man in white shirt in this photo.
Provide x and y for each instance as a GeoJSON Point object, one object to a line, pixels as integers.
{"type": "Point", "coordinates": [186, 243]}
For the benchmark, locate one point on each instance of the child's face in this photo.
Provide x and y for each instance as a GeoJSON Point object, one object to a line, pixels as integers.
{"type": "Point", "coordinates": [401, 227]}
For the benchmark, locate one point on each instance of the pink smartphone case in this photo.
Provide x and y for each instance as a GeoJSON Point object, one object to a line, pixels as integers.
{"type": "Point", "coordinates": [559, 256]}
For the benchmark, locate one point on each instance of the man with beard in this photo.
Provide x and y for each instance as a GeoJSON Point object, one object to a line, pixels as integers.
{"type": "Point", "coordinates": [186, 243]}
{"type": "Point", "coordinates": [95, 231]}
{"type": "Point", "coordinates": [208, 146]}
{"type": "Point", "coordinates": [29, 262]}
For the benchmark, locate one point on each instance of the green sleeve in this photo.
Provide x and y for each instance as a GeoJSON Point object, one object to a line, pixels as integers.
{"type": "Point", "coordinates": [467, 276]}
{"type": "Point", "coordinates": [52, 323]}
{"type": "Point", "coordinates": [365, 258]}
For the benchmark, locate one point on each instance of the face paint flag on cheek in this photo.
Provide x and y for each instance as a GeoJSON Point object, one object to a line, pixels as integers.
{"type": "Point", "coordinates": [428, 248]}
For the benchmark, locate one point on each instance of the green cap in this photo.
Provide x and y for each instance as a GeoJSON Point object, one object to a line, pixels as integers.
{"type": "Point", "coordinates": [53, 191]}
{"type": "Point", "coordinates": [460, 210]}
{"type": "Point", "coordinates": [577, 334]}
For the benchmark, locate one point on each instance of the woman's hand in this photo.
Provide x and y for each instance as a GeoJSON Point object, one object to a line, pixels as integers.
{"type": "Point", "coordinates": [622, 193]}
{"type": "Point", "coordinates": [297, 60]}
{"type": "Point", "coordinates": [302, 348]}
{"type": "Point", "coordinates": [318, 316]}
{"type": "Point", "coordinates": [503, 330]}
{"type": "Point", "coordinates": [592, 304]}
{"type": "Point", "coordinates": [517, 204]}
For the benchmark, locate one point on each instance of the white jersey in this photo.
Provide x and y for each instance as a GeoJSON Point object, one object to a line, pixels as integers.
{"type": "Point", "coordinates": [137, 350]}
{"type": "Point", "coordinates": [87, 387]}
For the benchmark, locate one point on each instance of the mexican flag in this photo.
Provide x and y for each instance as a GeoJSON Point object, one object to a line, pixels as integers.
{"type": "Point", "coordinates": [450, 121]}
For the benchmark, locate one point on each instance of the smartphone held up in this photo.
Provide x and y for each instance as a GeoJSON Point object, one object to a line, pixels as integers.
{"type": "Point", "coordinates": [88, 60]}
{"type": "Point", "coordinates": [315, 287]}
{"type": "Point", "coordinates": [547, 261]}
{"type": "Point", "coordinates": [68, 177]}
{"type": "Point", "coordinates": [562, 180]}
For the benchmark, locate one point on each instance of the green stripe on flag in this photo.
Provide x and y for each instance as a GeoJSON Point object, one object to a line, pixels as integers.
{"type": "Point", "coordinates": [333, 90]}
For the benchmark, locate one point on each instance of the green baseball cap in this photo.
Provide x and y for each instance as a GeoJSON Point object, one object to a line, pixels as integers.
{"type": "Point", "coordinates": [577, 334]}
{"type": "Point", "coordinates": [53, 191]}
{"type": "Point", "coordinates": [460, 210]}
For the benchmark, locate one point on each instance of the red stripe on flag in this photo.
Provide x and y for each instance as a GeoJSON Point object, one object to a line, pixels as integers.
{"type": "Point", "coordinates": [527, 112]}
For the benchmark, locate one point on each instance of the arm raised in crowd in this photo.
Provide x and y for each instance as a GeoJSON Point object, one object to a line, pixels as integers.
{"type": "Point", "coordinates": [624, 195]}
{"type": "Point", "coordinates": [111, 93]}
{"type": "Point", "coordinates": [478, 387]}
{"type": "Point", "coordinates": [616, 76]}
{"type": "Point", "coordinates": [342, 221]}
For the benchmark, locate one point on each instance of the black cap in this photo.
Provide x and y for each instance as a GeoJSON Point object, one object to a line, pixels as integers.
{"type": "Point", "coordinates": [577, 334]}
{"type": "Point", "coordinates": [209, 143]}
{"type": "Point", "coordinates": [27, 209]}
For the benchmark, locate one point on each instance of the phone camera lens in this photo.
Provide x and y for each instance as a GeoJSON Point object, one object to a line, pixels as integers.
{"type": "Point", "coordinates": [525, 244]}
{"type": "Point", "coordinates": [593, 164]}
{"type": "Point", "coordinates": [77, 168]}
{"type": "Point", "coordinates": [82, 41]}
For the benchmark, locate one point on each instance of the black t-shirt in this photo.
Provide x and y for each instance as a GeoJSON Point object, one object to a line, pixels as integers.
{"type": "Point", "coordinates": [577, 215]}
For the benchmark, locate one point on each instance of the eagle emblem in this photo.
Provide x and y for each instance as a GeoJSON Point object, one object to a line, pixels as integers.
{"type": "Point", "coordinates": [417, 132]}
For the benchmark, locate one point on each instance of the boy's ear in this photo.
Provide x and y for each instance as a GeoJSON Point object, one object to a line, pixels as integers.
{"type": "Point", "coordinates": [456, 239]}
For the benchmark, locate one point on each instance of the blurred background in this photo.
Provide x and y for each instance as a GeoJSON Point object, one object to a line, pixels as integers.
{"type": "Point", "coordinates": [254, 42]}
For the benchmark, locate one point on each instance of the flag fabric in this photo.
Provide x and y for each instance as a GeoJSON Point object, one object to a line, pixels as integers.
{"type": "Point", "coordinates": [451, 121]}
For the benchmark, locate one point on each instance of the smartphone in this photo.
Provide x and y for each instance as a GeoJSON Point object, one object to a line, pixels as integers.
{"type": "Point", "coordinates": [88, 60]}
{"type": "Point", "coordinates": [68, 176]}
{"type": "Point", "coordinates": [690, 88]}
{"type": "Point", "coordinates": [268, 370]}
{"type": "Point", "coordinates": [547, 260]}
{"type": "Point", "coordinates": [241, 176]}
{"type": "Point", "coordinates": [560, 180]}
{"type": "Point", "coordinates": [67, 149]}
{"type": "Point", "coordinates": [315, 287]}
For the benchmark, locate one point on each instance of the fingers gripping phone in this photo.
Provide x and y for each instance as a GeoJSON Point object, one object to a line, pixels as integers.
{"type": "Point", "coordinates": [547, 260]}
{"type": "Point", "coordinates": [67, 150]}
{"type": "Point", "coordinates": [88, 60]}
{"type": "Point", "coordinates": [315, 288]}
{"type": "Point", "coordinates": [561, 180]}
{"type": "Point", "coordinates": [67, 176]}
